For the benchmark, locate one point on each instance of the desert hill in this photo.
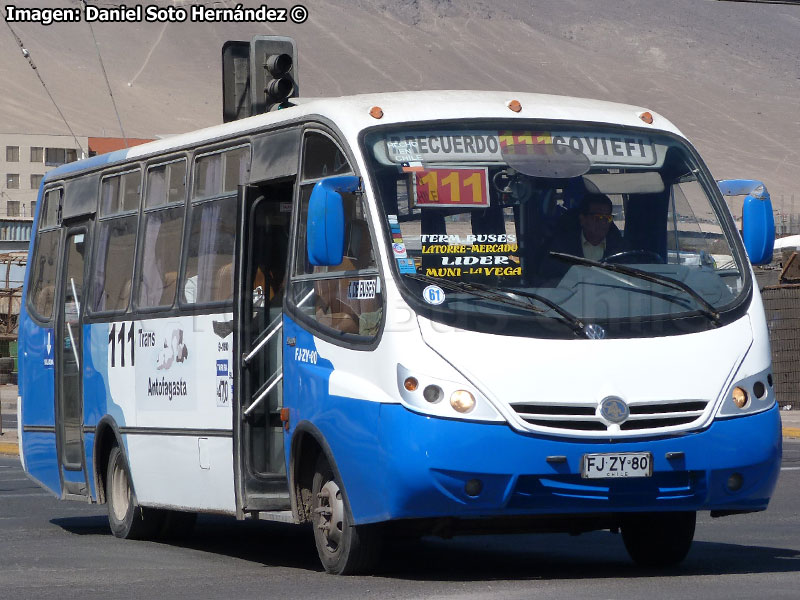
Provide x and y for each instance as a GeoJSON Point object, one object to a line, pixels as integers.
{"type": "Point", "coordinates": [727, 73]}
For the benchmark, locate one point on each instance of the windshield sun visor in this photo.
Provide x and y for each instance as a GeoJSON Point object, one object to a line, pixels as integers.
{"type": "Point", "coordinates": [648, 182]}
{"type": "Point", "coordinates": [553, 161]}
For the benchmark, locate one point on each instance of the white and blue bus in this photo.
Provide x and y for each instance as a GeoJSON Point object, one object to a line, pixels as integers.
{"type": "Point", "coordinates": [403, 314]}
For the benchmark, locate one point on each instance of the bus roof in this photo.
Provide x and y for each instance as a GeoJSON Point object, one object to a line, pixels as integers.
{"type": "Point", "coordinates": [352, 114]}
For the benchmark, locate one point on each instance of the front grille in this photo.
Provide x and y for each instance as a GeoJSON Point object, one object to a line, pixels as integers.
{"type": "Point", "coordinates": [650, 416]}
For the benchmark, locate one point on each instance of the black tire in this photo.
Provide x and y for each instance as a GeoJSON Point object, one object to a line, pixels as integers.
{"type": "Point", "coordinates": [343, 548]}
{"type": "Point", "coordinates": [177, 525]}
{"type": "Point", "coordinates": [658, 539]}
{"type": "Point", "coordinates": [126, 518]}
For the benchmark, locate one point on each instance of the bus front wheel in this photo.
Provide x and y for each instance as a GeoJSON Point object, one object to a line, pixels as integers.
{"type": "Point", "coordinates": [126, 518]}
{"type": "Point", "coordinates": [658, 539]}
{"type": "Point", "coordinates": [343, 548]}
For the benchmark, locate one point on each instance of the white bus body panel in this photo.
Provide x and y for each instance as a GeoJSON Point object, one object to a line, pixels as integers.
{"type": "Point", "coordinates": [173, 408]}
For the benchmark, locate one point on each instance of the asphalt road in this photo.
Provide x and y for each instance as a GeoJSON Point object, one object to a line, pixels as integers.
{"type": "Point", "coordinates": [9, 422]}
{"type": "Point", "coordinates": [53, 549]}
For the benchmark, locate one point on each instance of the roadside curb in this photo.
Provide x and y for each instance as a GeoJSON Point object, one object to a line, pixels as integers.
{"type": "Point", "coordinates": [791, 432]}
{"type": "Point", "coordinates": [9, 448]}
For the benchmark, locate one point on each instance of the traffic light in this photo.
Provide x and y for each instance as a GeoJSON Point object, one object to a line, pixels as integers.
{"type": "Point", "coordinates": [258, 76]}
{"type": "Point", "coordinates": [236, 102]}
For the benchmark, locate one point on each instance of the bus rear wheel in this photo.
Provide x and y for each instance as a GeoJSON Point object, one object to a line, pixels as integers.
{"type": "Point", "coordinates": [343, 548]}
{"type": "Point", "coordinates": [126, 518]}
{"type": "Point", "coordinates": [658, 539]}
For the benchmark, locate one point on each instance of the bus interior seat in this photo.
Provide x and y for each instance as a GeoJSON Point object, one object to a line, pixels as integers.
{"type": "Point", "coordinates": [168, 281]}
{"type": "Point", "coordinates": [222, 285]}
{"type": "Point", "coordinates": [45, 300]}
{"type": "Point", "coordinates": [117, 290]}
{"type": "Point", "coordinates": [646, 218]}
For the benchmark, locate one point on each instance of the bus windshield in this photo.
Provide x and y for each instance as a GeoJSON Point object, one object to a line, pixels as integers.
{"type": "Point", "coordinates": [551, 227]}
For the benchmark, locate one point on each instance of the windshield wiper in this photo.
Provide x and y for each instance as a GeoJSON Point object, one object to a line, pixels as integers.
{"type": "Point", "coordinates": [706, 308]}
{"type": "Point", "coordinates": [505, 297]}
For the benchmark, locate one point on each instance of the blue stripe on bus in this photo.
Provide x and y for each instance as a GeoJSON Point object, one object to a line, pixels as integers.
{"type": "Point", "coordinates": [36, 383]}
{"type": "Point", "coordinates": [96, 390]}
{"type": "Point", "coordinates": [41, 460]}
{"type": "Point", "coordinates": [88, 450]}
{"type": "Point", "coordinates": [348, 426]}
{"type": "Point", "coordinates": [74, 476]}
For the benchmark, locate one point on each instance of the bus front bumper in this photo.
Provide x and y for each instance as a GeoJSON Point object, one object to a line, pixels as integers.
{"type": "Point", "coordinates": [449, 468]}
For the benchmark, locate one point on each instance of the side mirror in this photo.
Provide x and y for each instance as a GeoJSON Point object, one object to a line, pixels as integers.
{"type": "Point", "coordinates": [325, 224]}
{"type": "Point", "coordinates": [758, 224]}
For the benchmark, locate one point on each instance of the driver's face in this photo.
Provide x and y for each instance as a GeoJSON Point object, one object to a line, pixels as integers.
{"type": "Point", "coordinates": [596, 223]}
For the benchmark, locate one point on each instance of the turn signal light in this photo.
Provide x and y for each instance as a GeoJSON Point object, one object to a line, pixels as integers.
{"type": "Point", "coordinates": [411, 384]}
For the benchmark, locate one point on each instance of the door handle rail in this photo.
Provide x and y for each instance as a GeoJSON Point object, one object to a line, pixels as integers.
{"type": "Point", "coordinates": [273, 381]}
{"type": "Point", "coordinates": [275, 329]}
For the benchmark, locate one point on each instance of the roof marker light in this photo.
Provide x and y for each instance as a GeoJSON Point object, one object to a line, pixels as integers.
{"type": "Point", "coordinates": [514, 105]}
{"type": "Point", "coordinates": [376, 112]}
{"type": "Point", "coordinates": [647, 117]}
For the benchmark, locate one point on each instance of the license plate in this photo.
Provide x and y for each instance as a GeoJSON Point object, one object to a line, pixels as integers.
{"type": "Point", "coordinates": [617, 465]}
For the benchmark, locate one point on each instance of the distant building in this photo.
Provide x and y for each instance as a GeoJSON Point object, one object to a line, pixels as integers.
{"type": "Point", "coordinates": [24, 160]}
{"type": "Point", "coordinates": [103, 145]}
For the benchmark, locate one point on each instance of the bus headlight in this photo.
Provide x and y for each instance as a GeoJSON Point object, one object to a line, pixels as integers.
{"type": "Point", "coordinates": [748, 396]}
{"type": "Point", "coordinates": [462, 401]}
{"type": "Point", "coordinates": [739, 397]}
{"type": "Point", "coordinates": [433, 393]}
{"type": "Point", "coordinates": [427, 394]}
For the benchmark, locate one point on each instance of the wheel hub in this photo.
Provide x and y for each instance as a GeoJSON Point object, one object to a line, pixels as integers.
{"type": "Point", "coordinates": [331, 514]}
{"type": "Point", "coordinates": [120, 493]}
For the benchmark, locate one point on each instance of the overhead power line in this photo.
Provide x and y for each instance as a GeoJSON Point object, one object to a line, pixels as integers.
{"type": "Point", "coordinates": [108, 85]}
{"type": "Point", "coordinates": [27, 56]}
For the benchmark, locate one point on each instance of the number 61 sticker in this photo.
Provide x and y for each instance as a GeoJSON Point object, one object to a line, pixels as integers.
{"type": "Point", "coordinates": [433, 294]}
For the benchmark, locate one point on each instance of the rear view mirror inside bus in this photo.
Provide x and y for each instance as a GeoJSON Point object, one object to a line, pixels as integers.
{"type": "Point", "coordinates": [325, 225]}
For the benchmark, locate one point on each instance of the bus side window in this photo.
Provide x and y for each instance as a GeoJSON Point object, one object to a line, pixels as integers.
{"type": "Point", "coordinates": [116, 241]}
{"type": "Point", "coordinates": [160, 251]}
{"type": "Point", "coordinates": [212, 234]}
{"type": "Point", "coordinates": [345, 297]}
{"type": "Point", "coordinates": [49, 216]}
{"type": "Point", "coordinates": [43, 276]}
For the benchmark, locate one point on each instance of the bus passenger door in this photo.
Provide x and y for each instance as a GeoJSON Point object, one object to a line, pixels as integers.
{"type": "Point", "coordinates": [264, 223]}
{"type": "Point", "coordinates": [68, 367]}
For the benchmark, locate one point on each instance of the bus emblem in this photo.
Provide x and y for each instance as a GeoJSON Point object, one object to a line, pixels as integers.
{"type": "Point", "coordinates": [594, 332]}
{"type": "Point", "coordinates": [614, 409]}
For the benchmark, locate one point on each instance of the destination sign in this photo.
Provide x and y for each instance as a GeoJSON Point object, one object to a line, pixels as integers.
{"type": "Point", "coordinates": [483, 146]}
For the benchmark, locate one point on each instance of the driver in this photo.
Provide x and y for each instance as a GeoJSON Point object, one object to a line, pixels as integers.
{"type": "Point", "coordinates": [596, 236]}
